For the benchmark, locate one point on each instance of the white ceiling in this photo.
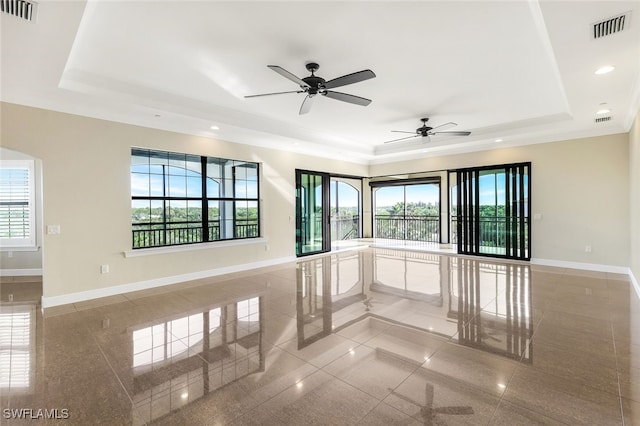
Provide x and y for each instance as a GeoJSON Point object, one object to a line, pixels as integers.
{"type": "Point", "coordinates": [520, 71]}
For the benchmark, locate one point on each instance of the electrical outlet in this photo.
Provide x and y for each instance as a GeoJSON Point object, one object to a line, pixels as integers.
{"type": "Point", "coordinates": [587, 249]}
{"type": "Point", "coordinates": [104, 269]}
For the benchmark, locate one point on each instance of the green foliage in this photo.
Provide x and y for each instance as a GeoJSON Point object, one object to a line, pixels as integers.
{"type": "Point", "coordinates": [344, 212]}
{"type": "Point", "coordinates": [413, 209]}
{"type": "Point", "coordinates": [174, 214]}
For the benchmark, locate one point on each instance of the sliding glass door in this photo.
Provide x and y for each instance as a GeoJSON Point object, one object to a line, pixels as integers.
{"type": "Point", "coordinates": [491, 211]}
{"type": "Point", "coordinates": [312, 213]}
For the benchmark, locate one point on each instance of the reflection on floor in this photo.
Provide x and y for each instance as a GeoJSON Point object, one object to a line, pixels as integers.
{"type": "Point", "coordinates": [367, 336]}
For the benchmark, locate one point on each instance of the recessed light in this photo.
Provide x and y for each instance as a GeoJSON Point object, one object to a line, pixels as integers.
{"type": "Point", "coordinates": [498, 140]}
{"type": "Point", "coordinates": [603, 111]}
{"type": "Point", "coordinates": [605, 70]}
{"type": "Point", "coordinates": [184, 395]}
{"type": "Point", "coordinates": [215, 128]}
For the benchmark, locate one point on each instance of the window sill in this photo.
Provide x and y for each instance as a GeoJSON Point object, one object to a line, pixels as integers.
{"type": "Point", "coordinates": [19, 248]}
{"type": "Point", "coordinates": [193, 247]}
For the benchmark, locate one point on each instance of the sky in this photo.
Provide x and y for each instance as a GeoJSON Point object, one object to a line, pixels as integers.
{"type": "Point", "coordinates": [390, 195]}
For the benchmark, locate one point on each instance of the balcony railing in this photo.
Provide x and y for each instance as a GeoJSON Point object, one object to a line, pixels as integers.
{"type": "Point", "coordinates": [414, 228]}
{"type": "Point", "coordinates": [158, 235]}
{"type": "Point", "coordinates": [344, 228]}
{"type": "Point", "coordinates": [493, 232]}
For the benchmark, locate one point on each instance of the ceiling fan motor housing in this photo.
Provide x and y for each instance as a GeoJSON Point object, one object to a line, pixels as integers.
{"type": "Point", "coordinates": [424, 130]}
{"type": "Point", "coordinates": [314, 83]}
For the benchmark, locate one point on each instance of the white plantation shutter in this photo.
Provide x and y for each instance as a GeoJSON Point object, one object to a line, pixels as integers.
{"type": "Point", "coordinates": [17, 215]}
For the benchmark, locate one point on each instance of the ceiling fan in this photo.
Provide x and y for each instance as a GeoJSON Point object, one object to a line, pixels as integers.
{"type": "Point", "coordinates": [314, 85]}
{"type": "Point", "coordinates": [426, 131]}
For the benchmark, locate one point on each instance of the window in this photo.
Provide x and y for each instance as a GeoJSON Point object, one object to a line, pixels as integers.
{"type": "Point", "coordinates": [185, 199]}
{"type": "Point", "coordinates": [407, 210]}
{"type": "Point", "coordinates": [17, 212]}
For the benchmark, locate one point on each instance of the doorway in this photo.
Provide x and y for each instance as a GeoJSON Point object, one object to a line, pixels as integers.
{"type": "Point", "coordinates": [328, 211]}
{"type": "Point", "coordinates": [491, 211]}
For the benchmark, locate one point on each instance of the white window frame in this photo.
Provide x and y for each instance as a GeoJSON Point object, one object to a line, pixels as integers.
{"type": "Point", "coordinates": [30, 242]}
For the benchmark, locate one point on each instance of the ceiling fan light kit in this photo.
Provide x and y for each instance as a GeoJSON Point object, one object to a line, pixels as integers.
{"type": "Point", "coordinates": [314, 85]}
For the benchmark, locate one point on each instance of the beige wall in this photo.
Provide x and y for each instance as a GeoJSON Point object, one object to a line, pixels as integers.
{"type": "Point", "coordinates": [580, 187]}
{"type": "Point", "coordinates": [634, 196]}
{"type": "Point", "coordinates": [87, 192]}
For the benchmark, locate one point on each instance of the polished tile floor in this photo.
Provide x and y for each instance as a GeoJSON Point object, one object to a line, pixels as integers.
{"type": "Point", "coordinates": [366, 336]}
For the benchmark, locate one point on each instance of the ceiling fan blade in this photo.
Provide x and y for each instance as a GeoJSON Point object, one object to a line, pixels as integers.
{"type": "Point", "coordinates": [275, 93]}
{"type": "Point", "coordinates": [402, 131]}
{"type": "Point", "coordinates": [344, 97]}
{"type": "Point", "coordinates": [286, 74]}
{"type": "Point", "coordinates": [306, 104]}
{"type": "Point", "coordinates": [402, 139]}
{"type": "Point", "coordinates": [451, 133]}
{"type": "Point", "coordinates": [445, 126]}
{"type": "Point", "coordinates": [355, 77]}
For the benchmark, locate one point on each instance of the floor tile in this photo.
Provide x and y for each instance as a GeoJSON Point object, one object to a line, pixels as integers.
{"type": "Point", "coordinates": [460, 341]}
{"type": "Point", "coordinates": [508, 414]}
{"type": "Point", "coordinates": [564, 400]}
{"type": "Point", "coordinates": [321, 352]}
{"type": "Point", "coordinates": [319, 399]}
{"type": "Point", "coordinates": [384, 415]}
{"type": "Point", "coordinates": [476, 369]}
{"type": "Point", "coordinates": [407, 343]}
{"type": "Point", "coordinates": [434, 398]}
{"type": "Point", "coordinates": [587, 368]}
{"type": "Point", "coordinates": [372, 371]}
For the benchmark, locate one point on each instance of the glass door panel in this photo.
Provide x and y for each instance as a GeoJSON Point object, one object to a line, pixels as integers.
{"type": "Point", "coordinates": [345, 210]}
{"type": "Point", "coordinates": [490, 212]}
{"type": "Point", "coordinates": [312, 199]}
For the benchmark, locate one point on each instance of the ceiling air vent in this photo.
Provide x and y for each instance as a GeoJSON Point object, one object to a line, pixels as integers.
{"type": "Point", "coordinates": [603, 119]}
{"type": "Point", "coordinates": [610, 26]}
{"type": "Point", "coordinates": [20, 9]}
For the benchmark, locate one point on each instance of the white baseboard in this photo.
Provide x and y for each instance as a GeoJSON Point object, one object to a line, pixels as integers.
{"type": "Point", "coordinates": [634, 283]}
{"type": "Point", "coordinates": [584, 266]}
{"type": "Point", "coordinates": [20, 272]}
{"type": "Point", "coordinates": [48, 302]}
